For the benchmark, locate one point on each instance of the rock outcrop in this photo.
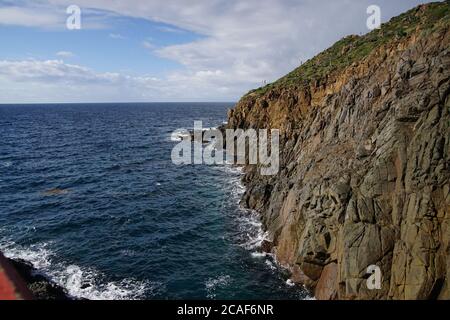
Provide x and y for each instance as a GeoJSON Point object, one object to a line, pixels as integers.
{"type": "Point", "coordinates": [364, 178]}
{"type": "Point", "coordinates": [19, 280]}
{"type": "Point", "coordinates": [40, 287]}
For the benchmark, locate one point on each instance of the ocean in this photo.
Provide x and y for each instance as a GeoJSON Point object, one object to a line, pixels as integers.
{"type": "Point", "coordinates": [90, 197]}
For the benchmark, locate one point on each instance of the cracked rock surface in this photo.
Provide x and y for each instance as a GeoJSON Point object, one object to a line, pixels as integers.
{"type": "Point", "coordinates": [364, 163]}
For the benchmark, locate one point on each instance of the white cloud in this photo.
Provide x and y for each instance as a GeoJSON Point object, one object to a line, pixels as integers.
{"type": "Point", "coordinates": [169, 29]}
{"type": "Point", "coordinates": [29, 17]}
{"type": "Point", "coordinates": [148, 45]}
{"type": "Point", "coordinates": [243, 41]}
{"type": "Point", "coordinates": [116, 36]}
{"type": "Point", "coordinates": [46, 80]}
{"type": "Point", "coordinates": [44, 14]}
{"type": "Point", "coordinates": [65, 54]}
{"type": "Point", "coordinates": [50, 71]}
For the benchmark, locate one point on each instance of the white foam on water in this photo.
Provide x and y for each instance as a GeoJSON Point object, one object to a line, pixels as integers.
{"type": "Point", "coordinates": [213, 283]}
{"type": "Point", "coordinates": [248, 221]}
{"type": "Point", "coordinates": [258, 254]}
{"type": "Point", "coordinates": [79, 282]}
{"type": "Point", "coordinates": [7, 164]}
{"type": "Point", "coordinates": [128, 253]}
{"type": "Point", "coordinates": [290, 283]}
{"type": "Point", "coordinates": [251, 226]}
{"type": "Point", "coordinates": [270, 264]}
{"type": "Point", "coordinates": [37, 255]}
{"type": "Point", "coordinates": [255, 241]}
{"type": "Point", "coordinates": [83, 283]}
{"type": "Point", "coordinates": [231, 169]}
{"type": "Point", "coordinates": [178, 136]}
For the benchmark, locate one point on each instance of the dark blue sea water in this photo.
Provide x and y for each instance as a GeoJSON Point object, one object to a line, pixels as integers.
{"type": "Point", "coordinates": [89, 195]}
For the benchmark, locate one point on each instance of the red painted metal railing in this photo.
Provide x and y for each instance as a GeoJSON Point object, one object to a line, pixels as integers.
{"type": "Point", "coordinates": [12, 287]}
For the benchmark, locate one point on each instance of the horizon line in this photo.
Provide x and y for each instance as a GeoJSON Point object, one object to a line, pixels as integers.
{"type": "Point", "coordinates": [145, 102]}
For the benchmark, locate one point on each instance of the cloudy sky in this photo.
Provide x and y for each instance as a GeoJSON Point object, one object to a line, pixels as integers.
{"type": "Point", "coordinates": [166, 50]}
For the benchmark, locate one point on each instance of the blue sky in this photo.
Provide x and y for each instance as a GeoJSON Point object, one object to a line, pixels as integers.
{"type": "Point", "coordinates": [194, 50]}
{"type": "Point", "coordinates": [127, 45]}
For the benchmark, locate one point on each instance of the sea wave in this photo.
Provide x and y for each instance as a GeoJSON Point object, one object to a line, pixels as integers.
{"type": "Point", "coordinates": [248, 221]}
{"type": "Point", "coordinates": [178, 136]}
{"type": "Point", "coordinates": [85, 283]}
{"type": "Point", "coordinates": [270, 264]}
{"type": "Point", "coordinates": [6, 164]}
{"type": "Point", "coordinates": [258, 254]}
{"type": "Point", "coordinates": [290, 283]}
{"type": "Point", "coordinates": [251, 228]}
{"type": "Point", "coordinates": [213, 283]}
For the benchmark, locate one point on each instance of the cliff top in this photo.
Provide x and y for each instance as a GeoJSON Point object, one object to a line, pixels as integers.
{"type": "Point", "coordinates": [423, 19]}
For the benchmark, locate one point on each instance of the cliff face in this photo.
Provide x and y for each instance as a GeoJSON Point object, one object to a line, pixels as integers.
{"type": "Point", "coordinates": [364, 178]}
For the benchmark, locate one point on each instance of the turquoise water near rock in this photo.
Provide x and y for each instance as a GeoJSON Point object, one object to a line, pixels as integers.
{"type": "Point", "coordinates": [89, 195]}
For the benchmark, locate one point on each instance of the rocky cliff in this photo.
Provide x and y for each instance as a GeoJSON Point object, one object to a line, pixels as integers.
{"type": "Point", "coordinates": [364, 178]}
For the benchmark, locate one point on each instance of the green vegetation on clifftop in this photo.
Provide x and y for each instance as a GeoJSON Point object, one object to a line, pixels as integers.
{"type": "Point", "coordinates": [355, 48]}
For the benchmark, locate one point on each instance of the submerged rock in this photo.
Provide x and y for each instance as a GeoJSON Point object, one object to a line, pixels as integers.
{"type": "Point", "coordinates": [55, 192]}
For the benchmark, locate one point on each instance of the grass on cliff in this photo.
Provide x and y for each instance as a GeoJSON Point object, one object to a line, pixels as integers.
{"type": "Point", "coordinates": [355, 48]}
